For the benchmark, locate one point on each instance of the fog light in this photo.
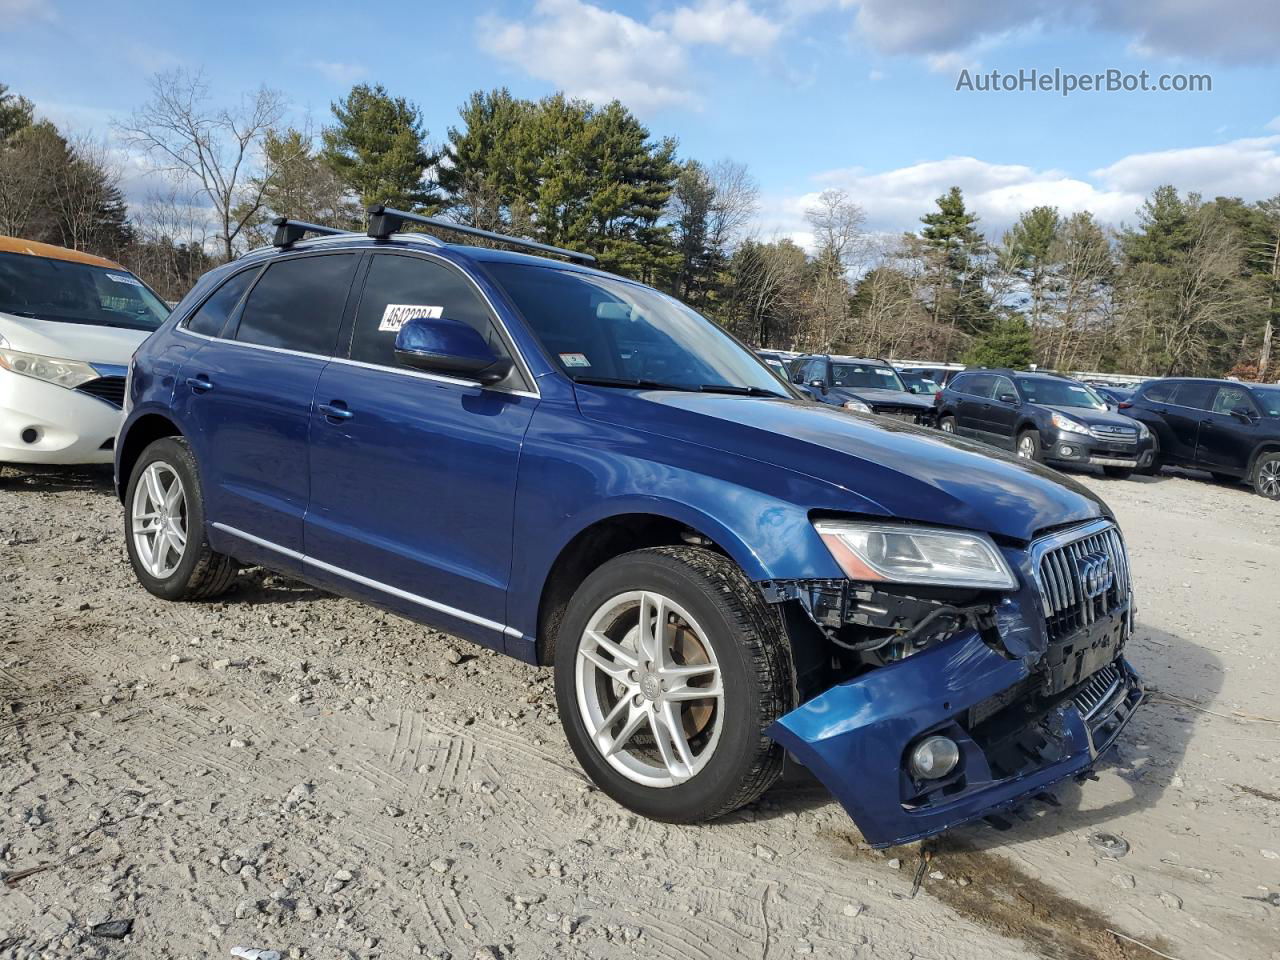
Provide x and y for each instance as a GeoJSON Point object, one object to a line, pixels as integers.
{"type": "Point", "coordinates": [1067, 451]}
{"type": "Point", "coordinates": [30, 435]}
{"type": "Point", "coordinates": [934, 757]}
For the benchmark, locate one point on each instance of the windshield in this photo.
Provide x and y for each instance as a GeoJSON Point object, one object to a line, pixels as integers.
{"type": "Point", "coordinates": [845, 374]}
{"type": "Point", "coordinates": [67, 292]}
{"type": "Point", "coordinates": [1269, 399]}
{"type": "Point", "coordinates": [614, 333]}
{"type": "Point", "coordinates": [1061, 393]}
{"type": "Point", "coordinates": [922, 384]}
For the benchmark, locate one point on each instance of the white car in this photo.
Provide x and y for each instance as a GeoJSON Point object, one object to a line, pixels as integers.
{"type": "Point", "coordinates": [69, 324]}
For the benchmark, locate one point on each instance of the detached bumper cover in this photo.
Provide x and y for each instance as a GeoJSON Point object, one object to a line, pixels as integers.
{"type": "Point", "coordinates": [855, 736]}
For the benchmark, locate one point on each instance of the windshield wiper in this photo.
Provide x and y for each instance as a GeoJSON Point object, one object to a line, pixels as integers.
{"type": "Point", "coordinates": [737, 390]}
{"type": "Point", "coordinates": [628, 382]}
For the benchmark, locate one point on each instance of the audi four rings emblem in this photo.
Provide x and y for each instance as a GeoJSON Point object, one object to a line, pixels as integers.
{"type": "Point", "coordinates": [1096, 575]}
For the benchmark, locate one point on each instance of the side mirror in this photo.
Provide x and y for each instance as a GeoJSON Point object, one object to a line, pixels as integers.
{"type": "Point", "coordinates": [1243, 414]}
{"type": "Point", "coordinates": [914, 388]}
{"type": "Point", "coordinates": [1008, 398]}
{"type": "Point", "coordinates": [818, 385]}
{"type": "Point", "coordinates": [451, 348]}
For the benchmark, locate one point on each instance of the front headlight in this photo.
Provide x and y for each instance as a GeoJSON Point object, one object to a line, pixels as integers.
{"type": "Point", "coordinates": [62, 373]}
{"type": "Point", "coordinates": [1070, 426]}
{"type": "Point", "coordinates": [857, 405]}
{"type": "Point", "coordinates": [1143, 432]}
{"type": "Point", "coordinates": [887, 552]}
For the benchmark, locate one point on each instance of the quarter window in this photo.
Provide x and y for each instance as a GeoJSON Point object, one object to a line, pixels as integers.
{"type": "Point", "coordinates": [298, 304]}
{"type": "Point", "coordinates": [1159, 393]}
{"type": "Point", "coordinates": [212, 316]}
{"type": "Point", "coordinates": [400, 288]}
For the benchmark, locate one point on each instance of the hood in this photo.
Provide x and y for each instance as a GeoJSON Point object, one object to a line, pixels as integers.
{"type": "Point", "coordinates": [1091, 417]}
{"type": "Point", "coordinates": [90, 343]}
{"type": "Point", "coordinates": [878, 396]}
{"type": "Point", "coordinates": [889, 468]}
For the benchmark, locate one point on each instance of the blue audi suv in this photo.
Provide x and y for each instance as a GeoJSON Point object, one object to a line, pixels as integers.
{"type": "Point", "coordinates": [581, 472]}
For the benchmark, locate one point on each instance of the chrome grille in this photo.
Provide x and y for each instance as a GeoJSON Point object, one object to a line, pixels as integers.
{"type": "Point", "coordinates": [1083, 576]}
{"type": "Point", "coordinates": [1098, 691]}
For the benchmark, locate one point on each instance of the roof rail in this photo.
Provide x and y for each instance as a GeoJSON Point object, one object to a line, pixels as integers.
{"type": "Point", "coordinates": [289, 232]}
{"type": "Point", "coordinates": [384, 221]}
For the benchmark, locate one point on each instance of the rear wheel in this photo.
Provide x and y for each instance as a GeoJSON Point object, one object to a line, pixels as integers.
{"type": "Point", "coordinates": [1028, 446]}
{"type": "Point", "coordinates": [1266, 476]}
{"type": "Point", "coordinates": [947, 424]}
{"type": "Point", "coordinates": [669, 667]}
{"type": "Point", "coordinates": [164, 526]}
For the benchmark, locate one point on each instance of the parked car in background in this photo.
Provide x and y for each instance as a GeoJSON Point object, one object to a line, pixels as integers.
{"type": "Point", "coordinates": [69, 322]}
{"type": "Point", "coordinates": [860, 384]}
{"type": "Point", "coordinates": [919, 383]}
{"type": "Point", "coordinates": [1044, 417]}
{"type": "Point", "coordinates": [939, 374]}
{"type": "Point", "coordinates": [582, 472]}
{"type": "Point", "coordinates": [1116, 397]}
{"type": "Point", "coordinates": [1229, 428]}
{"type": "Point", "coordinates": [777, 361]}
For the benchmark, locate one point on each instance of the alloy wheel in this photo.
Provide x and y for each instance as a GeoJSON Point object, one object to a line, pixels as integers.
{"type": "Point", "coordinates": [649, 689]}
{"type": "Point", "coordinates": [158, 520]}
{"type": "Point", "coordinates": [1027, 447]}
{"type": "Point", "coordinates": [1269, 479]}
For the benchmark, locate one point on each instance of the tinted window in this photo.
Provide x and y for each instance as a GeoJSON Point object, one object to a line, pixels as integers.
{"type": "Point", "coordinates": [62, 291]}
{"type": "Point", "coordinates": [979, 385]}
{"type": "Point", "coordinates": [1061, 393]}
{"type": "Point", "coordinates": [844, 374]}
{"type": "Point", "coordinates": [1229, 398]}
{"type": "Point", "coordinates": [1269, 397]}
{"type": "Point", "coordinates": [212, 317]}
{"type": "Point", "coordinates": [400, 288]}
{"type": "Point", "coordinates": [1004, 386]}
{"type": "Point", "coordinates": [298, 304]}
{"type": "Point", "coordinates": [1158, 392]}
{"type": "Point", "coordinates": [1196, 395]}
{"type": "Point", "coordinates": [816, 370]}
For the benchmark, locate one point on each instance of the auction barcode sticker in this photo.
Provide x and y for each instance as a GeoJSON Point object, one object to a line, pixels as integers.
{"type": "Point", "coordinates": [394, 316]}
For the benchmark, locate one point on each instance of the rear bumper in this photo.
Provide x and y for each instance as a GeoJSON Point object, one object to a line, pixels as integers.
{"type": "Point", "coordinates": [41, 423]}
{"type": "Point", "coordinates": [855, 737]}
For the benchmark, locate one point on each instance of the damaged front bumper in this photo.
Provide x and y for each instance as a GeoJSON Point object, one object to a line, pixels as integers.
{"type": "Point", "coordinates": [1014, 741]}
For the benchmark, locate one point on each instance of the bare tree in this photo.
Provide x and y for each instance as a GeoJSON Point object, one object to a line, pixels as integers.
{"type": "Point", "coordinates": [735, 198]}
{"type": "Point", "coordinates": [837, 226]}
{"type": "Point", "coordinates": [218, 148]}
{"type": "Point", "coordinates": [171, 234]}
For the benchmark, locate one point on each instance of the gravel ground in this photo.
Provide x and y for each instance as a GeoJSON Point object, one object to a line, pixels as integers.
{"type": "Point", "coordinates": [288, 770]}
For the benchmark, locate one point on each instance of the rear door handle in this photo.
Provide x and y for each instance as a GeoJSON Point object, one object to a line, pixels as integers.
{"type": "Point", "coordinates": [200, 384]}
{"type": "Point", "coordinates": [1206, 423]}
{"type": "Point", "coordinates": [335, 411]}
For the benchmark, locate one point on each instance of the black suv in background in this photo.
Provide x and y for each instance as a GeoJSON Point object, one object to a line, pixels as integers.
{"type": "Point", "coordinates": [861, 384]}
{"type": "Point", "coordinates": [1044, 417]}
{"type": "Point", "coordinates": [1230, 429]}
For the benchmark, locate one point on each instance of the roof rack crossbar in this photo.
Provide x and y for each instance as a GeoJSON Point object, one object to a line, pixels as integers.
{"type": "Point", "coordinates": [384, 221]}
{"type": "Point", "coordinates": [289, 232]}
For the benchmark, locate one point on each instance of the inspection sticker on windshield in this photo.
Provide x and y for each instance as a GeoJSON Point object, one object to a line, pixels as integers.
{"type": "Point", "coordinates": [395, 314]}
{"type": "Point", "coordinates": [121, 278]}
{"type": "Point", "coordinates": [575, 360]}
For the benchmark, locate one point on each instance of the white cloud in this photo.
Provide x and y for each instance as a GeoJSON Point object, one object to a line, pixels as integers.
{"type": "Point", "coordinates": [1274, 124]}
{"type": "Point", "coordinates": [19, 13]}
{"type": "Point", "coordinates": [592, 53]}
{"type": "Point", "coordinates": [895, 199]}
{"type": "Point", "coordinates": [601, 55]}
{"type": "Point", "coordinates": [340, 73]}
{"type": "Point", "coordinates": [724, 23]}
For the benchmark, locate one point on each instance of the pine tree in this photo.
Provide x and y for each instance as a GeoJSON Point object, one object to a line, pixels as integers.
{"type": "Point", "coordinates": [16, 113]}
{"type": "Point", "coordinates": [1007, 344]}
{"type": "Point", "coordinates": [955, 253]}
{"type": "Point", "coordinates": [378, 148]}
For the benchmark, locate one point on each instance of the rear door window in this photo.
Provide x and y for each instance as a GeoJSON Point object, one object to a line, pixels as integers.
{"type": "Point", "coordinates": [298, 304]}
{"type": "Point", "coordinates": [980, 385]}
{"type": "Point", "coordinates": [212, 316]}
{"type": "Point", "coordinates": [400, 288]}
{"type": "Point", "coordinates": [1159, 393]}
{"type": "Point", "coordinates": [1193, 394]}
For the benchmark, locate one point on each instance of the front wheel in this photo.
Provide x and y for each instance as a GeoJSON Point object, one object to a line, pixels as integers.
{"type": "Point", "coordinates": [947, 424]}
{"type": "Point", "coordinates": [164, 526]}
{"type": "Point", "coordinates": [1028, 446]}
{"type": "Point", "coordinates": [1118, 473]}
{"type": "Point", "coordinates": [1266, 476]}
{"type": "Point", "coordinates": [669, 667]}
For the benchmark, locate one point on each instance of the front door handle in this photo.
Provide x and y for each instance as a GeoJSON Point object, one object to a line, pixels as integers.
{"type": "Point", "coordinates": [1206, 423]}
{"type": "Point", "coordinates": [336, 411]}
{"type": "Point", "coordinates": [200, 384]}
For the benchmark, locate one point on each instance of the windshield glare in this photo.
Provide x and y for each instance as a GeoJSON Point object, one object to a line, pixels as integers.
{"type": "Point", "coordinates": [1269, 399]}
{"type": "Point", "coordinates": [924, 384]}
{"type": "Point", "coordinates": [865, 375]}
{"type": "Point", "coordinates": [66, 292]}
{"type": "Point", "coordinates": [599, 328]}
{"type": "Point", "coordinates": [1061, 393]}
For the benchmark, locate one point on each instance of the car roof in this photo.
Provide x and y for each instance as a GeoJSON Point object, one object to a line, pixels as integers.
{"type": "Point", "coordinates": [51, 252]}
{"type": "Point", "coordinates": [847, 359]}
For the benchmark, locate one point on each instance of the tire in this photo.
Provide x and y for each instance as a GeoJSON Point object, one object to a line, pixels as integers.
{"type": "Point", "coordinates": [714, 617]}
{"type": "Point", "coordinates": [193, 570]}
{"type": "Point", "coordinates": [1266, 476]}
{"type": "Point", "coordinates": [1027, 446]}
{"type": "Point", "coordinates": [1118, 473]}
{"type": "Point", "coordinates": [947, 424]}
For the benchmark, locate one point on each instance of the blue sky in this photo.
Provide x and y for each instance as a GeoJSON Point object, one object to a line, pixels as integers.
{"type": "Point", "coordinates": [810, 94]}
